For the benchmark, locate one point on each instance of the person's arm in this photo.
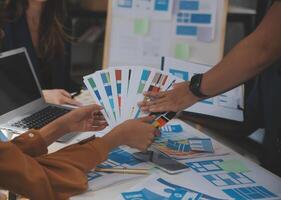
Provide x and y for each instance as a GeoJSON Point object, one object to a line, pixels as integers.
{"type": "Point", "coordinates": [249, 58]}
{"type": "Point", "coordinates": [88, 118]}
{"type": "Point", "coordinates": [63, 173]}
{"type": "Point", "coordinates": [50, 177]}
{"type": "Point", "coordinates": [59, 97]}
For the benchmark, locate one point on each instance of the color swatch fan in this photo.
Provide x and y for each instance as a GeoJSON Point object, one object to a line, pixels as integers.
{"type": "Point", "coordinates": [120, 89]}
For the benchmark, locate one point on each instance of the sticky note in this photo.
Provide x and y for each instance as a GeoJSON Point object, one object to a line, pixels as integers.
{"type": "Point", "coordinates": [233, 166]}
{"type": "Point", "coordinates": [141, 26]}
{"type": "Point", "coordinates": [182, 51]}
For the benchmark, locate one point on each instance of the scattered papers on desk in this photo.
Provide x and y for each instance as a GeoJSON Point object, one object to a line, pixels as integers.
{"type": "Point", "coordinates": [118, 158]}
{"type": "Point", "coordinates": [157, 188]}
{"type": "Point", "coordinates": [184, 145]}
{"type": "Point", "coordinates": [173, 128]}
{"type": "Point", "coordinates": [233, 165]}
{"type": "Point", "coordinates": [3, 137]}
{"type": "Point", "coordinates": [120, 89]}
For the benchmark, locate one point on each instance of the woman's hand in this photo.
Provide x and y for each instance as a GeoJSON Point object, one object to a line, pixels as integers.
{"type": "Point", "coordinates": [59, 97]}
{"type": "Point", "coordinates": [175, 100]}
{"type": "Point", "coordinates": [88, 118]}
{"type": "Point", "coordinates": [138, 133]}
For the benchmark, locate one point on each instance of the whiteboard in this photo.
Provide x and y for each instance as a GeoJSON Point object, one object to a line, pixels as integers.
{"type": "Point", "coordinates": [140, 32]}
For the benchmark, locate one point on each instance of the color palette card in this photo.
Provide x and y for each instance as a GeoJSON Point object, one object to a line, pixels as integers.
{"type": "Point", "coordinates": [120, 89]}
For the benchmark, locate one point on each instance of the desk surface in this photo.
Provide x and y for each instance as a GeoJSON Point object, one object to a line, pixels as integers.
{"type": "Point", "coordinates": [257, 175]}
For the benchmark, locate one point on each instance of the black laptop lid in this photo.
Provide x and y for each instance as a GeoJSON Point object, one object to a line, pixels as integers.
{"type": "Point", "coordinates": [17, 83]}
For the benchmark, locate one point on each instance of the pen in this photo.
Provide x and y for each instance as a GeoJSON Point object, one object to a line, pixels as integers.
{"type": "Point", "coordinates": [123, 170]}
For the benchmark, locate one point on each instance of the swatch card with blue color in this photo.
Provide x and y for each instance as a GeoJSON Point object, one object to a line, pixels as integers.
{"type": "Point", "coordinates": [141, 77]}
{"type": "Point", "coordinates": [120, 89]}
{"type": "Point", "coordinates": [94, 91]}
{"type": "Point", "coordinates": [105, 100]}
{"type": "Point", "coordinates": [115, 76]}
{"type": "Point", "coordinates": [154, 81]}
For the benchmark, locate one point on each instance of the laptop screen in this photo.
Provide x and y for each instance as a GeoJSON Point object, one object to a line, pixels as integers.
{"type": "Point", "coordinates": [17, 83]}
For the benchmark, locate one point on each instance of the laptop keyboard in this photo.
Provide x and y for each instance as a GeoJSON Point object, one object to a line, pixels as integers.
{"type": "Point", "coordinates": [41, 118]}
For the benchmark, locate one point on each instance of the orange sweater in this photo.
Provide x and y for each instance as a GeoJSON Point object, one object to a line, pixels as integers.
{"type": "Point", "coordinates": [26, 169]}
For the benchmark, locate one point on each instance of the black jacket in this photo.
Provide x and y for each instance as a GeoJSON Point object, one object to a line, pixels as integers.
{"type": "Point", "coordinates": [264, 111]}
{"type": "Point", "coordinates": [17, 35]}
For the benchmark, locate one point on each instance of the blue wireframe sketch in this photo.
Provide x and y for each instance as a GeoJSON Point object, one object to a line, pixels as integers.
{"type": "Point", "coordinates": [172, 192]}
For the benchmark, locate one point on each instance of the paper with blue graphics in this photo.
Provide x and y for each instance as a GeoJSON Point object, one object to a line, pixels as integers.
{"type": "Point", "coordinates": [120, 89]}
{"type": "Point", "coordinates": [157, 9]}
{"type": "Point", "coordinates": [3, 137]}
{"type": "Point", "coordinates": [172, 128]}
{"type": "Point", "coordinates": [157, 188]}
{"type": "Point", "coordinates": [201, 144]}
{"type": "Point", "coordinates": [196, 19]}
{"type": "Point", "coordinates": [228, 105]}
{"type": "Point", "coordinates": [118, 158]}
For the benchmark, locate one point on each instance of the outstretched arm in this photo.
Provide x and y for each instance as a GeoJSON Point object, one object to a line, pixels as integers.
{"type": "Point", "coordinates": [249, 58]}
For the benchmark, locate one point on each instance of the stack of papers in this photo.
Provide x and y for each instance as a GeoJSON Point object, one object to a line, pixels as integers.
{"type": "Point", "coordinates": [120, 89]}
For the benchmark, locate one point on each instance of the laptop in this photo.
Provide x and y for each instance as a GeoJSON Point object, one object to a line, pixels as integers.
{"type": "Point", "coordinates": [22, 105]}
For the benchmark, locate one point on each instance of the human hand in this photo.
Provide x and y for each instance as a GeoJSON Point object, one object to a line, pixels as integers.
{"type": "Point", "coordinates": [136, 133]}
{"type": "Point", "coordinates": [59, 97]}
{"type": "Point", "coordinates": [88, 118]}
{"type": "Point", "coordinates": [175, 100]}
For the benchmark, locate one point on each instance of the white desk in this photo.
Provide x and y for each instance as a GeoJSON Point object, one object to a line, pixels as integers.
{"type": "Point", "coordinates": [195, 180]}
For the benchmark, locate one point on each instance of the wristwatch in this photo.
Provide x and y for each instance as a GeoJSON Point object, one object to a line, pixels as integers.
{"type": "Point", "coordinates": [195, 85]}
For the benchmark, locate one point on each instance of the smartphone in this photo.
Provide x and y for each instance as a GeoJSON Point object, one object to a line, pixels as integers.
{"type": "Point", "coordinates": [162, 161]}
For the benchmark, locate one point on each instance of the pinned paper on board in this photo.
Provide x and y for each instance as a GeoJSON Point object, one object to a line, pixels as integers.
{"type": "Point", "coordinates": [182, 51]}
{"type": "Point", "coordinates": [141, 26]}
{"type": "Point", "coordinates": [157, 9]}
{"type": "Point", "coordinates": [196, 19]}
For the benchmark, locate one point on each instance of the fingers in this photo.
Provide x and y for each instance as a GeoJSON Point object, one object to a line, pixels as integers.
{"type": "Point", "coordinates": [65, 93]}
{"type": "Point", "coordinates": [146, 144]}
{"type": "Point", "coordinates": [99, 123]}
{"type": "Point", "coordinates": [157, 133]}
{"type": "Point", "coordinates": [94, 108]}
{"type": "Point", "coordinates": [147, 119]}
{"type": "Point", "coordinates": [66, 100]}
{"type": "Point", "coordinates": [163, 107]}
{"type": "Point", "coordinates": [155, 94]}
{"type": "Point", "coordinates": [98, 128]}
{"type": "Point", "coordinates": [152, 102]}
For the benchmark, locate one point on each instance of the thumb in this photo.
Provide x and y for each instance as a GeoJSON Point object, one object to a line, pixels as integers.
{"type": "Point", "coordinates": [88, 110]}
{"type": "Point", "coordinates": [147, 119]}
